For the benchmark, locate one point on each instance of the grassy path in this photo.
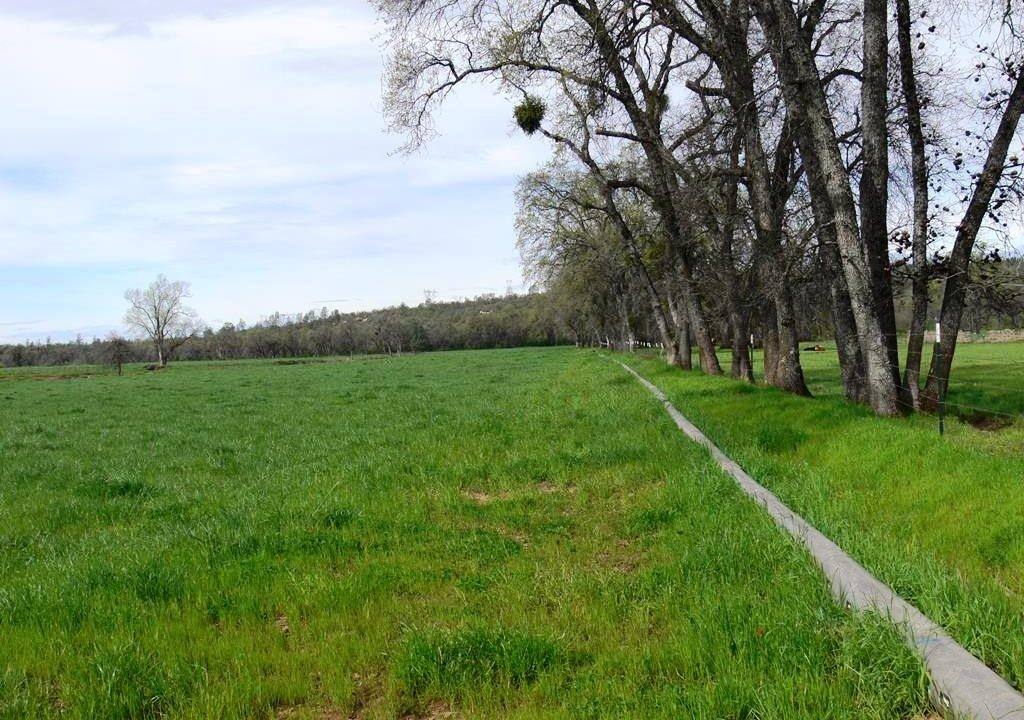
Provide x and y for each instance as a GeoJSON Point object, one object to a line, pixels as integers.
{"type": "Point", "coordinates": [493, 534]}
{"type": "Point", "coordinates": [937, 519]}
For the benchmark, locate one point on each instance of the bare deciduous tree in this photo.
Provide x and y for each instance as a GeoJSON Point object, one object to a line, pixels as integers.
{"type": "Point", "coordinates": [116, 352]}
{"type": "Point", "coordinates": [159, 313]}
{"type": "Point", "coordinates": [731, 147]}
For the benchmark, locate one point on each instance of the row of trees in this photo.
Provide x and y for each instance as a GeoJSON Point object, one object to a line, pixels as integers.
{"type": "Point", "coordinates": [485, 322]}
{"type": "Point", "coordinates": [575, 309]}
{"type": "Point", "coordinates": [722, 166]}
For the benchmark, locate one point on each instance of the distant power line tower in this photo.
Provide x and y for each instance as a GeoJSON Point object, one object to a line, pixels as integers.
{"type": "Point", "coordinates": [509, 291]}
{"type": "Point", "coordinates": [429, 296]}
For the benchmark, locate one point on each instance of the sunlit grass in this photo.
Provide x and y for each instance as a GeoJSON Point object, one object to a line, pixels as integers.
{"type": "Point", "coordinates": [496, 534]}
{"type": "Point", "coordinates": [941, 519]}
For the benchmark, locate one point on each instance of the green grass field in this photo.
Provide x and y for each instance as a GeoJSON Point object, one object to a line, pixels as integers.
{"type": "Point", "coordinates": [985, 377]}
{"type": "Point", "coordinates": [486, 534]}
{"type": "Point", "coordinates": [941, 519]}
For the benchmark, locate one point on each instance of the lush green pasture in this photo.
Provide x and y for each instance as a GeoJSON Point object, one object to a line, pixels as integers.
{"type": "Point", "coordinates": [47, 372]}
{"type": "Point", "coordinates": [486, 534]}
{"type": "Point", "coordinates": [941, 519]}
{"type": "Point", "coordinates": [985, 376]}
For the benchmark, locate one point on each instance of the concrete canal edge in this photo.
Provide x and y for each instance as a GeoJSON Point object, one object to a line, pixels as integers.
{"type": "Point", "coordinates": [961, 685]}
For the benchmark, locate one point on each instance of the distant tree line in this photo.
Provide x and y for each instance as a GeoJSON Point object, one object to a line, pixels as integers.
{"type": "Point", "coordinates": [484, 322]}
{"type": "Point", "coordinates": [598, 301]}
{"type": "Point", "coordinates": [575, 309]}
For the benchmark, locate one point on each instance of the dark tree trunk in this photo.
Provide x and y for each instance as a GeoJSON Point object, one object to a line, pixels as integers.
{"type": "Point", "coordinates": [677, 309]}
{"type": "Point", "coordinates": [788, 373]}
{"type": "Point", "coordinates": [874, 179]}
{"type": "Point", "coordinates": [695, 313]}
{"type": "Point", "coordinates": [919, 177]}
{"type": "Point", "coordinates": [804, 94]}
{"type": "Point", "coordinates": [669, 339]}
{"type": "Point", "coordinates": [958, 278]}
{"type": "Point", "coordinates": [851, 361]}
{"type": "Point", "coordinates": [685, 344]}
{"type": "Point", "coordinates": [768, 193]}
{"type": "Point", "coordinates": [664, 188]}
{"type": "Point", "coordinates": [770, 345]}
{"type": "Point", "coordinates": [626, 340]}
{"type": "Point", "coordinates": [742, 368]}
{"type": "Point", "coordinates": [666, 330]}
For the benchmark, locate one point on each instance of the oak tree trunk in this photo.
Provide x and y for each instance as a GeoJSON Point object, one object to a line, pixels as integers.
{"type": "Point", "coordinates": [805, 99]}
{"type": "Point", "coordinates": [677, 309]}
{"type": "Point", "coordinates": [874, 178]}
{"type": "Point", "coordinates": [958, 277]}
{"type": "Point", "coordinates": [919, 179]}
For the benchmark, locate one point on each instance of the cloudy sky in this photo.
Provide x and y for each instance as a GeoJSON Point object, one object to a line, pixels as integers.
{"type": "Point", "coordinates": [241, 149]}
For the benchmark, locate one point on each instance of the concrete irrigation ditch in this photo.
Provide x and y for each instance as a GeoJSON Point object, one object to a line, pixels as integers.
{"type": "Point", "coordinates": [961, 685]}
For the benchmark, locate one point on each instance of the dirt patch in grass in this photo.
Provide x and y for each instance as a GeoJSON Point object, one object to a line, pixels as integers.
{"type": "Point", "coordinates": [515, 535]}
{"type": "Point", "coordinates": [622, 558]}
{"type": "Point", "coordinates": [323, 712]}
{"type": "Point", "coordinates": [436, 710]}
{"type": "Point", "coordinates": [987, 421]}
{"type": "Point", "coordinates": [302, 361]}
{"type": "Point", "coordinates": [367, 695]}
{"type": "Point", "coordinates": [366, 702]}
{"type": "Point", "coordinates": [547, 487]}
{"type": "Point", "coordinates": [45, 377]}
{"type": "Point", "coordinates": [482, 498]}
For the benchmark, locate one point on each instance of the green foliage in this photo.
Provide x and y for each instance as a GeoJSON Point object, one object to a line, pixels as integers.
{"type": "Point", "coordinates": [660, 102]}
{"type": "Point", "coordinates": [530, 113]}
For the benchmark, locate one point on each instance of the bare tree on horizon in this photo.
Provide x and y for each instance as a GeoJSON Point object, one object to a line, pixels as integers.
{"type": "Point", "coordinates": [158, 313]}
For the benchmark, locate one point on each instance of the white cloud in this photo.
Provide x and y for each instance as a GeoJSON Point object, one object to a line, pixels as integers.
{"type": "Point", "coordinates": [242, 150]}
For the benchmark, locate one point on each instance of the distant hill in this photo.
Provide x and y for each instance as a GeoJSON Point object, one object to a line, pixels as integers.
{"type": "Point", "coordinates": [487, 321]}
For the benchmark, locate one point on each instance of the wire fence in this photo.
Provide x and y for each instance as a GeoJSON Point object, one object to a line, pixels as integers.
{"type": "Point", "coordinates": [964, 406]}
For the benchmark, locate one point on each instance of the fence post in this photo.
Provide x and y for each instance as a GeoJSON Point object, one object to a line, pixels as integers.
{"type": "Point", "coordinates": [942, 382]}
{"type": "Point", "coordinates": [750, 353]}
